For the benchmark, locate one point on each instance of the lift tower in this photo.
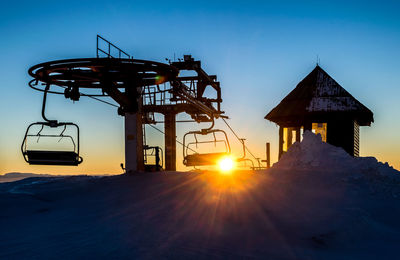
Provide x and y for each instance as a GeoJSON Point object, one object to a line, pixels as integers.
{"type": "Point", "coordinates": [184, 94]}
{"type": "Point", "coordinates": [140, 87]}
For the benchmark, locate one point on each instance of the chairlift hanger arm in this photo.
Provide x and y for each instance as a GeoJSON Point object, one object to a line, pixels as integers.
{"type": "Point", "coordinates": [51, 123]}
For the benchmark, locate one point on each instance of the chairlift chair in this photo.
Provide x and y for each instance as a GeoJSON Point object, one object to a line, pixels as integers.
{"type": "Point", "coordinates": [51, 156]}
{"type": "Point", "coordinates": [156, 153]}
{"type": "Point", "coordinates": [204, 159]}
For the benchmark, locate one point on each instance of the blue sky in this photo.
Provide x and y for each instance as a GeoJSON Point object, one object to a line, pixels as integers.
{"type": "Point", "coordinates": [260, 50]}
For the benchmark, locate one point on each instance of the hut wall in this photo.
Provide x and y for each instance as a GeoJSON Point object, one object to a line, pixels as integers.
{"type": "Point", "coordinates": [356, 139]}
{"type": "Point", "coordinates": [341, 133]}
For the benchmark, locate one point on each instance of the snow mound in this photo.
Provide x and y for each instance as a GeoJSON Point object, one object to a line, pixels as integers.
{"type": "Point", "coordinates": [314, 154]}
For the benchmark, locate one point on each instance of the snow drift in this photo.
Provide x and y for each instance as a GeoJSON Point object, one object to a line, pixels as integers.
{"type": "Point", "coordinates": [315, 203]}
{"type": "Point", "coordinates": [312, 153]}
{"type": "Point", "coordinates": [333, 163]}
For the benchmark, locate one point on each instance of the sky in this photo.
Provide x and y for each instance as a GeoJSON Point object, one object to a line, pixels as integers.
{"type": "Point", "coordinates": [259, 50]}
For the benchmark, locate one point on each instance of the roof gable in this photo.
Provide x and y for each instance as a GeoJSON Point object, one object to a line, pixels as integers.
{"type": "Point", "coordinates": [319, 94]}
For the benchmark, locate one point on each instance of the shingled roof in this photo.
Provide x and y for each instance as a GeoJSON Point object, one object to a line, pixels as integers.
{"type": "Point", "coordinates": [316, 96]}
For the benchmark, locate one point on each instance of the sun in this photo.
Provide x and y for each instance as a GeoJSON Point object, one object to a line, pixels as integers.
{"type": "Point", "coordinates": [226, 164]}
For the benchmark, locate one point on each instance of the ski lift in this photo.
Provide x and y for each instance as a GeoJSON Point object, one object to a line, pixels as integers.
{"type": "Point", "coordinates": [203, 159]}
{"type": "Point", "coordinates": [67, 157]}
{"type": "Point", "coordinates": [153, 159]}
{"type": "Point", "coordinates": [243, 159]}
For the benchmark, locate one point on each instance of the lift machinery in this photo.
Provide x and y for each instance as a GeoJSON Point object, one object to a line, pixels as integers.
{"type": "Point", "coordinates": [139, 87]}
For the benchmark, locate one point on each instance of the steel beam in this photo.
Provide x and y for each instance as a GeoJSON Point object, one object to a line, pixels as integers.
{"type": "Point", "coordinates": [280, 142]}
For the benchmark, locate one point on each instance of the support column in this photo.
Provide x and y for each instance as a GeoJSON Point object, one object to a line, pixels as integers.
{"type": "Point", "coordinates": [170, 141]}
{"type": "Point", "coordinates": [297, 134]}
{"type": "Point", "coordinates": [133, 143]}
{"type": "Point", "coordinates": [268, 155]}
{"type": "Point", "coordinates": [289, 137]}
{"type": "Point", "coordinates": [280, 142]}
{"type": "Point", "coordinates": [307, 126]}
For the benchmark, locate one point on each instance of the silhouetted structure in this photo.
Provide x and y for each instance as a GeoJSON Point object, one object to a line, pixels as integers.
{"type": "Point", "coordinates": [140, 87]}
{"type": "Point", "coordinates": [320, 104]}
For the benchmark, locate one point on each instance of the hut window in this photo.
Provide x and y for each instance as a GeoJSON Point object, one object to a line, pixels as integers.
{"type": "Point", "coordinates": [289, 137]}
{"type": "Point", "coordinates": [320, 128]}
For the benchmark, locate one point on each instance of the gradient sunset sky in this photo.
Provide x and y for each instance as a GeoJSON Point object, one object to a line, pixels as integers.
{"type": "Point", "coordinates": [259, 50]}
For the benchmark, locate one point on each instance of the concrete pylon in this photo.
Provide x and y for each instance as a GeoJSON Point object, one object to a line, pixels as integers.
{"type": "Point", "coordinates": [170, 141]}
{"type": "Point", "coordinates": [133, 143]}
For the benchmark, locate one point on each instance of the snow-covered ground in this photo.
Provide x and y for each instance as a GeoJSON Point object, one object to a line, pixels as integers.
{"type": "Point", "coordinates": [316, 203]}
{"type": "Point", "coordinates": [16, 176]}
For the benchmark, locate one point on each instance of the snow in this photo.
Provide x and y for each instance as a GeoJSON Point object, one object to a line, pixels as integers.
{"type": "Point", "coordinates": [317, 202]}
{"type": "Point", "coordinates": [312, 154]}
{"type": "Point", "coordinates": [16, 176]}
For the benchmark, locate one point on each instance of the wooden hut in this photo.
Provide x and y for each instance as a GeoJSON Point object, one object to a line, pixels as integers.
{"type": "Point", "coordinates": [320, 104]}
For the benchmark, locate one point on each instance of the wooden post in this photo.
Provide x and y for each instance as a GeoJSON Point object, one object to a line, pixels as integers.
{"type": "Point", "coordinates": [289, 137]}
{"type": "Point", "coordinates": [133, 143]}
{"type": "Point", "coordinates": [170, 141]}
{"type": "Point", "coordinates": [280, 142]}
{"type": "Point", "coordinates": [307, 125]}
{"type": "Point", "coordinates": [268, 156]}
{"type": "Point", "coordinates": [297, 134]}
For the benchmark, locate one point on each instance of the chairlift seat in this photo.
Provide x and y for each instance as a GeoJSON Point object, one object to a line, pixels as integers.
{"type": "Point", "coordinates": [40, 157]}
{"type": "Point", "coordinates": [198, 159]}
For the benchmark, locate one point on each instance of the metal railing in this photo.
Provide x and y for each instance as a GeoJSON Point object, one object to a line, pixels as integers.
{"type": "Point", "coordinates": [109, 48]}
